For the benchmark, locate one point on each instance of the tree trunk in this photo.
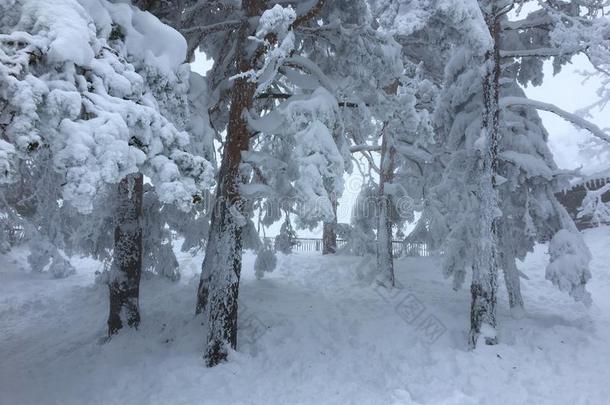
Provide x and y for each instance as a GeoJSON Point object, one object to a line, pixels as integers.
{"type": "Point", "coordinates": [385, 259]}
{"type": "Point", "coordinates": [513, 286]}
{"type": "Point", "coordinates": [511, 273]}
{"type": "Point", "coordinates": [221, 269]}
{"type": "Point", "coordinates": [124, 285]}
{"type": "Point", "coordinates": [329, 231]}
{"type": "Point", "coordinates": [485, 268]}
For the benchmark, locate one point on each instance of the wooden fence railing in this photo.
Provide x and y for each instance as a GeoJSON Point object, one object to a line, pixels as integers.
{"type": "Point", "coordinates": [399, 248]}
{"type": "Point", "coordinates": [410, 249]}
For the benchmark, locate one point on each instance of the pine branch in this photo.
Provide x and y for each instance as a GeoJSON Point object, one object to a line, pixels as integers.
{"type": "Point", "coordinates": [209, 29]}
{"type": "Point", "coordinates": [285, 96]}
{"type": "Point", "coordinates": [541, 52]}
{"type": "Point", "coordinates": [315, 10]}
{"type": "Point", "coordinates": [368, 148]}
{"type": "Point", "coordinates": [573, 118]}
{"type": "Point", "coordinates": [302, 63]}
{"type": "Point", "coordinates": [528, 23]}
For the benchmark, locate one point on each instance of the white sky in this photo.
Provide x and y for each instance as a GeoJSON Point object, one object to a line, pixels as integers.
{"type": "Point", "coordinates": [569, 91]}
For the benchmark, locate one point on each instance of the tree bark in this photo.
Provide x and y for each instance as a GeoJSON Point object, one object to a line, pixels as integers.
{"type": "Point", "coordinates": [511, 273]}
{"type": "Point", "coordinates": [124, 285]}
{"type": "Point", "coordinates": [513, 286]}
{"type": "Point", "coordinates": [221, 269]}
{"type": "Point", "coordinates": [329, 231]}
{"type": "Point", "coordinates": [385, 259]}
{"type": "Point", "coordinates": [485, 268]}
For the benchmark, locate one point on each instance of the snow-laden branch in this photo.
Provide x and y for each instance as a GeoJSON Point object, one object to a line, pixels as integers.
{"type": "Point", "coordinates": [313, 11]}
{"type": "Point", "coordinates": [303, 63]}
{"type": "Point", "coordinates": [541, 52]}
{"type": "Point", "coordinates": [286, 96]}
{"type": "Point", "coordinates": [413, 152]}
{"type": "Point", "coordinates": [527, 23]}
{"type": "Point", "coordinates": [101, 133]}
{"type": "Point", "coordinates": [201, 5]}
{"type": "Point", "coordinates": [209, 29]}
{"type": "Point", "coordinates": [573, 118]}
{"type": "Point", "coordinates": [368, 148]}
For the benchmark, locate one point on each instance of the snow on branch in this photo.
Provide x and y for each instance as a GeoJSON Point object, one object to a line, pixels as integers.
{"type": "Point", "coordinates": [573, 118]}
{"type": "Point", "coordinates": [7, 157]}
{"type": "Point", "coordinates": [313, 11]}
{"type": "Point", "coordinates": [303, 63]}
{"type": "Point", "coordinates": [276, 42]}
{"type": "Point", "coordinates": [541, 52]}
{"type": "Point", "coordinates": [568, 268]}
{"type": "Point", "coordinates": [210, 29]}
{"type": "Point", "coordinates": [593, 205]}
{"type": "Point", "coordinates": [527, 23]}
{"type": "Point", "coordinates": [367, 148]}
{"type": "Point", "coordinates": [83, 79]}
{"type": "Point", "coordinates": [413, 152]}
{"type": "Point", "coordinates": [286, 96]}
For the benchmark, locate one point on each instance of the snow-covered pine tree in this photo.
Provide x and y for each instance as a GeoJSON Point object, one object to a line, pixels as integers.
{"type": "Point", "coordinates": [286, 238]}
{"type": "Point", "coordinates": [92, 105]}
{"type": "Point", "coordinates": [297, 146]}
{"type": "Point", "coordinates": [555, 31]}
{"type": "Point", "coordinates": [374, 80]}
{"type": "Point", "coordinates": [524, 162]}
{"type": "Point", "coordinates": [219, 285]}
{"type": "Point", "coordinates": [465, 131]}
{"type": "Point", "coordinates": [558, 31]}
{"type": "Point", "coordinates": [364, 221]}
{"type": "Point", "coordinates": [406, 131]}
{"type": "Point", "coordinates": [485, 264]}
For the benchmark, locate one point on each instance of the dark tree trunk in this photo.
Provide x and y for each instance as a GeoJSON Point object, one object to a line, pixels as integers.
{"type": "Point", "coordinates": [385, 259]}
{"type": "Point", "coordinates": [221, 269]}
{"type": "Point", "coordinates": [329, 231]}
{"type": "Point", "coordinates": [485, 269]}
{"type": "Point", "coordinates": [219, 286]}
{"type": "Point", "coordinates": [124, 285]}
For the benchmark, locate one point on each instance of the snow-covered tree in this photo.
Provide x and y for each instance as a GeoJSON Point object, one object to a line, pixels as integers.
{"type": "Point", "coordinates": [266, 261]}
{"type": "Point", "coordinates": [281, 97]}
{"type": "Point", "coordinates": [83, 88]}
{"type": "Point", "coordinates": [494, 198]}
{"type": "Point", "coordinates": [286, 238]}
{"type": "Point", "coordinates": [364, 221]}
{"type": "Point", "coordinates": [595, 205]}
{"type": "Point", "coordinates": [467, 121]}
{"type": "Point", "coordinates": [557, 31]}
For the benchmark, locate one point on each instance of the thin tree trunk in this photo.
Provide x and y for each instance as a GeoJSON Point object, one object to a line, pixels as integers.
{"type": "Point", "coordinates": [385, 259]}
{"type": "Point", "coordinates": [513, 286]}
{"type": "Point", "coordinates": [221, 269]}
{"type": "Point", "coordinates": [511, 273]}
{"type": "Point", "coordinates": [329, 231]}
{"type": "Point", "coordinates": [124, 285]}
{"type": "Point", "coordinates": [485, 268]}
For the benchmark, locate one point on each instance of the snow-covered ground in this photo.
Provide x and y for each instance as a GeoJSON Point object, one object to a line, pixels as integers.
{"type": "Point", "coordinates": [312, 332]}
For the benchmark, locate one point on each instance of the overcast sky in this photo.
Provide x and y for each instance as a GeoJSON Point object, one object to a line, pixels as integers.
{"type": "Point", "coordinates": [570, 91]}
